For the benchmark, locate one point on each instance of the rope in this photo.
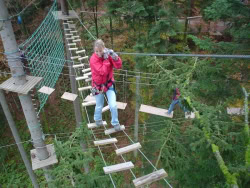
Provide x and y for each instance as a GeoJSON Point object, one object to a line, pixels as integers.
{"type": "Point", "coordinates": [19, 12]}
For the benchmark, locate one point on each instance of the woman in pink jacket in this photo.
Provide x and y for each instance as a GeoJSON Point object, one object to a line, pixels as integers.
{"type": "Point", "coordinates": [102, 63]}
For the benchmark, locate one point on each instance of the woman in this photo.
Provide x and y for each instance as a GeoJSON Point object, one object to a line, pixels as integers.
{"type": "Point", "coordinates": [102, 63]}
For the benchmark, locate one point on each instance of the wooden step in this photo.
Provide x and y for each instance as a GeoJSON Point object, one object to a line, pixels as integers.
{"type": "Point", "coordinates": [88, 103]}
{"type": "Point", "coordinates": [106, 108]}
{"type": "Point", "coordinates": [78, 66]}
{"type": "Point", "coordinates": [86, 70]}
{"type": "Point", "coordinates": [75, 37]}
{"type": "Point", "coordinates": [72, 26]}
{"type": "Point", "coordinates": [65, 23]}
{"type": "Point", "coordinates": [67, 29]}
{"type": "Point", "coordinates": [46, 90]}
{"type": "Point", "coordinates": [155, 111]}
{"type": "Point", "coordinates": [106, 141]}
{"type": "Point", "coordinates": [70, 21]}
{"type": "Point", "coordinates": [71, 49]}
{"type": "Point", "coordinates": [75, 57]}
{"type": "Point", "coordinates": [80, 51]}
{"type": "Point", "coordinates": [93, 125]}
{"type": "Point", "coordinates": [84, 88]}
{"type": "Point", "coordinates": [81, 58]}
{"type": "Point", "coordinates": [68, 34]}
{"type": "Point", "coordinates": [118, 167]}
{"type": "Point", "coordinates": [71, 44]}
{"type": "Point", "coordinates": [69, 38]}
{"type": "Point", "coordinates": [88, 80]}
{"type": "Point", "coordinates": [73, 31]}
{"type": "Point", "coordinates": [121, 105]}
{"type": "Point", "coordinates": [89, 98]}
{"type": "Point", "coordinates": [145, 180]}
{"type": "Point", "coordinates": [128, 148]}
{"type": "Point", "coordinates": [110, 131]}
{"type": "Point", "coordinates": [190, 115]}
{"type": "Point", "coordinates": [88, 74]}
{"type": "Point", "coordinates": [69, 96]}
{"type": "Point", "coordinates": [81, 78]}
{"type": "Point", "coordinates": [77, 40]}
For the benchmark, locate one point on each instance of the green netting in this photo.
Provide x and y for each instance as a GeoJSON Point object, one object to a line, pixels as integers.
{"type": "Point", "coordinates": [44, 51]}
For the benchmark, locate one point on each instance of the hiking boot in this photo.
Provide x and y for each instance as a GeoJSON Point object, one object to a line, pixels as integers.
{"type": "Point", "coordinates": [99, 123]}
{"type": "Point", "coordinates": [117, 127]}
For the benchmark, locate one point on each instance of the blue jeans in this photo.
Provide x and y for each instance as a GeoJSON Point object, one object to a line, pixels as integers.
{"type": "Point", "coordinates": [174, 102]}
{"type": "Point", "coordinates": [112, 105]}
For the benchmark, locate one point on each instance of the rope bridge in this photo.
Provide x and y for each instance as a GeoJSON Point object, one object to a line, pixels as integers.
{"type": "Point", "coordinates": [46, 45]}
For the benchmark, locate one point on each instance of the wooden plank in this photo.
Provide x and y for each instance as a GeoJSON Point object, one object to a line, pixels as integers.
{"type": "Point", "coordinates": [71, 44]}
{"type": "Point", "coordinates": [89, 98]}
{"type": "Point", "coordinates": [84, 88]}
{"type": "Point", "coordinates": [88, 103]}
{"type": "Point", "coordinates": [235, 111]}
{"type": "Point", "coordinates": [106, 141]}
{"type": "Point", "coordinates": [89, 79]}
{"type": "Point", "coordinates": [81, 78]}
{"type": "Point", "coordinates": [121, 105]}
{"type": "Point", "coordinates": [75, 57]}
{"type": "Point", "coordinates": [88, 74]}
{"type": "Point", "coordinates": [73, 31]}
{"type": "Point", "coordinates": [145, 180]}
{"type": "Point", "coordinates": [76, 36]}
{"type": "Point", "coordinates": [86, 70]}
{"type": "Point", "coordinates": [106, 108]}
{"type": "Point", "coordinates": [70, 21]}
{"type": "Point", "coordinates": [46, 90]}
{"type": "Point", "coordinates": [67, 29]}
{"type": "Point", "coordinates": [128, 148]}
{"type": "Point", "coordinates": [69, 96]}
{"type": "Point", "coordinates": [80, 51]}
{"type": "Point", "coordinates": [112, 130]}
{"type": "Point", "coordinates": [155, 111]}
{"type": "Point", "coordinates": [93, 125]}
{"type": "Point", "coordinates": [78, 66]}
{"type": "Point", "coordinates": [118, 167]}
{"type": "Point", "coordinates": [68, 34]}
{"type": "Point", "coordinates": [69, 38]}
{"type": "Point", "coordinates": [81, 58]}
{"type": "Point", "coordinates": [70, 49]}
{"type": "Point", "coordinates": [77, 40]}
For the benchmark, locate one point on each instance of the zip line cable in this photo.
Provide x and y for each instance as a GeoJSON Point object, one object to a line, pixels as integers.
{"type": "Point", "coordinates": [170, 55]}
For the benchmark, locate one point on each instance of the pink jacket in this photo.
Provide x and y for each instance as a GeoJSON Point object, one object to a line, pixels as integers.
{"type": "Point", "coordinates": [102, 71]}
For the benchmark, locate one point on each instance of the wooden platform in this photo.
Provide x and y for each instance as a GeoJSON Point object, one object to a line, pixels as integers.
{"type": "Point", "coordinates": [145, 180]}
{"type": "Point", "coordinates": [93, 125]}
{"type": "Point", "coordinates": [37, 164]}
{"type": "Point", "coordinates": [118, 167]}
{"type": "Point", "coordinates": [105, 142]}
{"type": "Point", "coordinates": [9, 85]}
{"type": "Point", "coordinates": [112, 130]}
{"type": "Point", "coordinates": [59, 16]}
{"type": "Point", "coordinates": [69, 96]}
{"type": "Point", "coordinates": [155, 111]}
{"type": "Point", "coordinates": [46, 90]}
{"type": "Point", "coordinates": [128, 148]}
